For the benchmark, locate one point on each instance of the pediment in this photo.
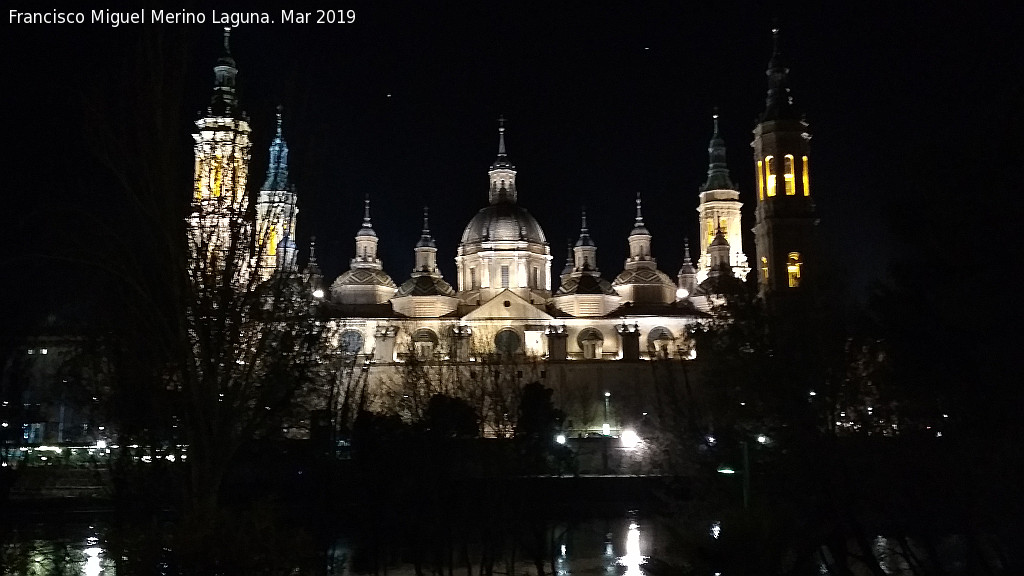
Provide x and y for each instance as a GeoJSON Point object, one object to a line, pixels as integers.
{"type": "Point", "coordinates": [507, 306]}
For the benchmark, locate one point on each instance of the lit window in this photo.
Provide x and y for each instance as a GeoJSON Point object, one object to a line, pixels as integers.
{"type": "Point", "coordinates": [711, 231]}
{"type": "Point", "coordinates": [807, 182]}
{"type": "Point", "coordinates": [760, 180]}
{"type": "Point", "coordinates": [43, 351]}
{"type": "Point", "coordinates": [216, 177]}
{"type": "Point", "coordinates": [770, 169]}
{"type": "Point", "coordinates": [764, 268]}
{"type": "Point", "coordinates": [790, 176]}
{"type": "Point", "coordinates": [793, 265]}
{"type": "Point", "coordinates": [504, 276]}
{"type": "Point", "coordinates": [271, 246]}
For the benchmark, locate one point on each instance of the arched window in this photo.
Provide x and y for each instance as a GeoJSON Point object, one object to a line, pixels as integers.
{"type": "Point", "coordinates": [424, 342]}
{"type": "Point", "coordinates": [507, 342]}
{"type": "Point", "coordinates": [807, 182]}
{"type": "Point", "coordinates": [760, 180]}
{"type": "Point", "coordinates": [790, 176]}
{"type": "Point", "coordinates": [793, 266]}
{"type": "Point", "coordinates": [591, 343]}
{"type": "Point", "coordinates": [769, 164]}
{"type": "Point", "coordinates": [660, 342]}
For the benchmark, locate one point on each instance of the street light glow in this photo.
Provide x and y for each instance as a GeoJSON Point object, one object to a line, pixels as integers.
{"type": "Point", "coordinates": [726, 470]}
{"type": "Point", "coordinates": [560, 438]}
{"type": "Point", "coordinates": [630, 439]}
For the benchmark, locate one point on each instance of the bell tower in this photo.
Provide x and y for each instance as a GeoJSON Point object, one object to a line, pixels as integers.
{"type": "Point", "coordinates": [784, 233]}
{"type": "Point", "coordinates": [219, 232]}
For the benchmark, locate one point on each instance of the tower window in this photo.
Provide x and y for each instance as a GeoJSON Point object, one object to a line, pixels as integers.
{"type": "Point", "coordinates": [711, 231]}
{"type": "Point", "coordinates": [769, 163]}
{"type": "Point", "coordinates": [472, 278]}
{"type": "Point", "coordinates": [271, 247]}
{"type": "Point", "coordinates": [793, 266]}
{"type": "Point", "coordinates": [790, 176]}
{"type": "Point", "coordinates": [504, 276]}
{"type": "Point", "coordinates": [536, 278]}
{"type": "Point", "coordinates": [760, 180]}
{"type": "Point", "coordinates": [764, 268]}
{"type": "Point", "coordinates": [807, 182]}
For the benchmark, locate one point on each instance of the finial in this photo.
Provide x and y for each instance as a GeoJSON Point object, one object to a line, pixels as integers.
{"type": "Point", "coordinates": [501, 135]}
{"type": "Point", "coordinates": [639, 215]}
{"type": "Point", "coordinates": [583, 218]}
{"type": "Point", "coordinates": [714, 116]}
{"type": "Point", "coordinates": [312, 249]}
{"type": "Point", "coordinates": [366, 213]}
{"type": "Point", "coordinates": [686, 250]}
{"type": "Point", "coordinates": [280, 111]}
{"type": "Point", "coordinates": [426, 224]}
{"type": "Point", "coordinates": [227, 40]}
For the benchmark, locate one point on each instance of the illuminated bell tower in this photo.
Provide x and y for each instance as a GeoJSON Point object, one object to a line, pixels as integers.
{"type": "Point", "coordinates": [785, 217]}
{"type": "Point", "coordinates": [218, 229]}
{"type": "Point", "coordinates": [276, 212]}
{"type": "Point", "coordinates": [719, 209]}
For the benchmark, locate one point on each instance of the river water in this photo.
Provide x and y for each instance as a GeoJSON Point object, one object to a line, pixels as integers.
{"type": "Point", "coordinates": [617, 545]}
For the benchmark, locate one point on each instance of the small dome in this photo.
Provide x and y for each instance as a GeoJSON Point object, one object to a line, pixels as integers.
{"type": "Point", "coordinates": [585, 284]}
{"type": "Point", "coordinates": [643, 276]}
{"type": "Point", "coordinates": [363, 277]}
{"type": "Point", "coordinates": [425, 286]}
{"type": "Point", "coordinates": [503, 221]}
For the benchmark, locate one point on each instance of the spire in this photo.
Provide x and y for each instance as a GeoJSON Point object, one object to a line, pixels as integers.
{"type": "Point", "coordinates": [277, 169]}
{"type": "Point", "coordinates": [638, 223]}
{"type": "Point", "coordinates": [778, 104]}
{"type": "Point", "coordinates": [502, 173]}
{"type": "Point", "coordinates": [501, 136]}
{"type": "Point", "coordinates": [502, 161]}
{"type": "Point", "coordinates": [687, 277]}
{"type": "Point", "coordinates": [224, 100]}
{"type": "Point", "coordinates": [367, 229]}
{"type": "Point", "coordinates": [426, 240]}
{"type": "Point", "coordinates": [718, 169]}
{"type": "Point", "coordinates": [570, 260]}
{"type": "Point", "coordinates": [584, 232]}
{"type": "Point", "coordinates": [312, 273]}
{"type": "Point", "coordinates": [687, 263]}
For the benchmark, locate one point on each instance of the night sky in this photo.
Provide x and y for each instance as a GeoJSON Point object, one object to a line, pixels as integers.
{"type": "Point", "coordinates": [915, 113]}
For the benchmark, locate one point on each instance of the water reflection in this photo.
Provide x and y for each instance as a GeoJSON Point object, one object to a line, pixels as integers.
{"type": "Point", "coordinates": [615, 546]}
{"type": "Point", "coordinates": [633, 558]}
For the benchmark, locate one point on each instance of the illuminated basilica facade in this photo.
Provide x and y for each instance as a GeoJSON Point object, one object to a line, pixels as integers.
{"type": "Point", "coordinates": [588, 336]}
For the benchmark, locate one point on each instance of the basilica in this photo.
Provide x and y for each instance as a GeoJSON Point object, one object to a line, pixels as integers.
{"type": "Point", "coordinates": [586, 333]}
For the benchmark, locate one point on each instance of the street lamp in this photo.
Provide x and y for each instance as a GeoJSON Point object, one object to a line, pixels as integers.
{"type": "Point", "coordinates": [745, 473]}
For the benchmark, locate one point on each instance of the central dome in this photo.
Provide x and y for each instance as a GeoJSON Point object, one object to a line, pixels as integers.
{"type": "Point", "coordinates": [503, 221]}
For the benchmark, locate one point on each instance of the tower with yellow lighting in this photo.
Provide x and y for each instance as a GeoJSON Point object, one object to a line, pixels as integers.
{"type": "Point", "coordinates": [785, 216]}
{"type": "Point", "coordinates": [219, 234]}
{"type": "Point", "coordinates": [276, 212]}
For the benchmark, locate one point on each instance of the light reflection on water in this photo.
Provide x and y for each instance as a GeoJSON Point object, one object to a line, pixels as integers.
{"type": "Point", "coordinates": [614, 547]}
